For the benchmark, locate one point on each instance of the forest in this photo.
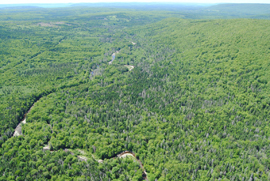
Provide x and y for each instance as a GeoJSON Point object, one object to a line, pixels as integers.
{"type": "Point", "coordinates": [185, 92]}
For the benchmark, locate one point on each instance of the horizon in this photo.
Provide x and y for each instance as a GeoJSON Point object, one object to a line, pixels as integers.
{"type": "Point", "coordinates": [25, 2]}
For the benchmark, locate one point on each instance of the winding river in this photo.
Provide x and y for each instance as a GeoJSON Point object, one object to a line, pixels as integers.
{"type": "Point", "coordinates": [18, 132]}
{"type": "Point", "coordinates": [18, 129]}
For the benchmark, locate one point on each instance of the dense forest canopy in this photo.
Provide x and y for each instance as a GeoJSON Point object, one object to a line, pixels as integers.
{"type": "Point", "coordinates": [185, 92]}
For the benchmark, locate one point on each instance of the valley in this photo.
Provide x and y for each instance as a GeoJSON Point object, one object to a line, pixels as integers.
{"type": "Point", "coordinates": [114, 93]}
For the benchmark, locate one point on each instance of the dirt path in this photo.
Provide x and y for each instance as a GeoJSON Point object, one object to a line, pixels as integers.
{"type": "Point", "coordinates": [128, 153]}
{"type": "Point", "coordinates": [123, 154]}
{"type": "Point", "coordinates": [130, 67]}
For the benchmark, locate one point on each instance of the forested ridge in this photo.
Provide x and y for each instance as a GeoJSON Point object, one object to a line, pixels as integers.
{"type": "Point", "coordinates": [194, 107]}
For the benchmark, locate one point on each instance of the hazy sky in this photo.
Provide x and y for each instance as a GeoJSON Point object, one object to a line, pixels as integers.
{"type": "Point", "coordinates": [95, 1]}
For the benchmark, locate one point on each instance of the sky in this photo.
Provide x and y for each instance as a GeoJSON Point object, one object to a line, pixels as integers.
{"type": "Point", "coordinates": [99, 1]}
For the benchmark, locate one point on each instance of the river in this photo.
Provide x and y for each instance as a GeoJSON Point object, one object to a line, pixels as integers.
{"type": "Point", "coordinates": [18, 132]}
{"type": "Point", "coordinates": [113, 57]}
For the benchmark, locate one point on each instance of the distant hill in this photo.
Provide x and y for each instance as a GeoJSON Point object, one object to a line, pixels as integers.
{"type": "Point", "coordinates": [240, 9]}
{"type": "Point", "coordinates": [32, 5]}
{"type": "Point", "coordinates": [155, 6]}
{"type": "Point", "coordinates": [20, 7]}
{"type": "Point", "coordinates": [187, 10]}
